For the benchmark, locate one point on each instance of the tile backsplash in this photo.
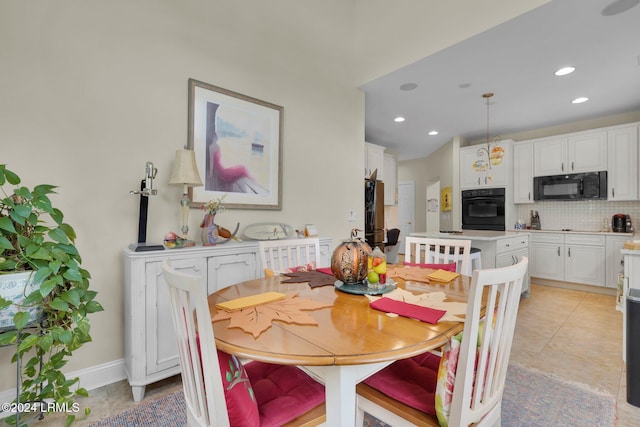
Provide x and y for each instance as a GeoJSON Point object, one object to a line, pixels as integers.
{"type": "Point", "coordinates": [583, 215]}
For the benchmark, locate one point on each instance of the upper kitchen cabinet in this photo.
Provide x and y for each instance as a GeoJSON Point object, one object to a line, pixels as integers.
{"type": "Point", "coordinates": [622, 158]}
{"type": "Point", "coordinates": [390, 180]}
{"type": "Point", "coordinates": [486, 165]}
{"type": "Point", "coordinates": [523, 172]}
{"type": "Point", "coordinates": [574, 153]}
{"type": "Point", "coordinates": [373, 159]}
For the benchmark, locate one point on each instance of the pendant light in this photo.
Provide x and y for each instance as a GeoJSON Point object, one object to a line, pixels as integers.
{"type": "Point", "coordinates": [494, 156]}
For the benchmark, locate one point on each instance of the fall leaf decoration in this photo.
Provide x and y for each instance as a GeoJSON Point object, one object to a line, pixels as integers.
{"type": "Point", "coordinates": [415, 274]}
{"type": "Point", "coordinates": [257, 319]}
{"type": "Point", "coordinates": [315, 278]}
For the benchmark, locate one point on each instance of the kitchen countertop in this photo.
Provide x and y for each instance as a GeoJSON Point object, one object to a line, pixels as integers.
{"type": "Point", "coordinates": [497, 235]}
{"type": "Point", "coordinates": [472, 234]}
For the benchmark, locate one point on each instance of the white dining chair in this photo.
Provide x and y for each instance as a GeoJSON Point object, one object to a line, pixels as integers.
{"type": "Point", "coordinates": [280, 255]}
{"type": "Point", "coordinates": [272, 394]}
{"type": "Point", "coordinates": [424, 250]}
{"type": "Point", "coordinates": [481, 368]}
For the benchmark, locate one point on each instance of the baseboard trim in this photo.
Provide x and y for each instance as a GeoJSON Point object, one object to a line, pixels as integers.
{"type": "Point", "coordinates": [90, 378]}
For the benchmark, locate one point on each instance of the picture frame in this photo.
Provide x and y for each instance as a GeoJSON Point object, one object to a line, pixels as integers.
{"type": "Point", "coordinates": [237, 141]}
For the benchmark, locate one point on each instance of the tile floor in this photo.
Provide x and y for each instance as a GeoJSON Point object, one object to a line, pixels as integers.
{"type": "Point", "coordinates": [573, 334]}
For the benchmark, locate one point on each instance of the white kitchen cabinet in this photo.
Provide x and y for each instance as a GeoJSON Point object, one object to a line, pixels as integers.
{"type": "Point", "coordinates": [390, 180]}
{"type": "Point", "coordinates": [614, 258]}
{"type": "Point", "coordinates": [570, 257]}
{"type": "Point", "coordinates": [547, 261]}
{"type": "Point", "coordinates": [374, 159]}
{"type": "Point", "coordinates": [150, 345]}
{"type": "Point", "coordinates": [523, 172]}
{"type": "Point", "coordinates": [572, 153]}
{"type": "Point", "coordinates": [483, 167]}
{"type": "Point", "coordinates": [622, 159]}
{"type": "Point", "coordinates": [509, 251]}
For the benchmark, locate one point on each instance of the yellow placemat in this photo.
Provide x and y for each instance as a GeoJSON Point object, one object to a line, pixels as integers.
{"type": "Point", "coordinates": [442, 276]}
{"type": "Point", "coordinates": [250, 301]}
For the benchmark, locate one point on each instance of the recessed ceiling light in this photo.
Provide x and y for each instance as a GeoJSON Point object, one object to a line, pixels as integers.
{"type": "Point", "coordinates": [566, 70]}
{"type": "Point", "coordinates": [619, 6]}
{"type": "Point", "coordinates": [399, 119]}
{"type": "Point", "coordinates": [464, 85]}
{"type": "Point", "coordinates": [433, 132]}
{"type": "Point", "coordinates": [408, 86]}
{"type": "Point", "coordinates": [580, 100]}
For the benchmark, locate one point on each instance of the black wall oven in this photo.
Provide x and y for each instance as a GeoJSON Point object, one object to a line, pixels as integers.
{"type": "Point", "coordinates": [483, 209]}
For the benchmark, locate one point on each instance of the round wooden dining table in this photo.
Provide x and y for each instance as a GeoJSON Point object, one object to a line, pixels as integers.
{"type": "Point", "coordinates": [349, 342]}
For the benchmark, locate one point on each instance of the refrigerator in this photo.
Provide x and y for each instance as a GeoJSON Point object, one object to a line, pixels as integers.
{"type": "Point", "coordinates": [374, 213]}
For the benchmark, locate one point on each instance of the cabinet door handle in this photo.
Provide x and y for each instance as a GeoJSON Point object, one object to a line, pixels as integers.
{"type": "Point", "coordinates": [613, 192]}
{"type": "Point", "coordinates": [569, 251]}
{"type": "Point", "coordinates": [529, 195]}
{"type": "Point", "coordinates": [558, 250]}
{"type": "Point", "coordinates": [572, 168]}
{"type": "Point", "coordinates": [478, 180]}
{"type": "Point", "coordinates": [562, 166]}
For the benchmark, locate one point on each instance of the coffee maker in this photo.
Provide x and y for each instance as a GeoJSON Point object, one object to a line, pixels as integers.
{"type": "Point", "coordinates": [535, 220]}
{"type": "Point", "coordinates": [621, 223]}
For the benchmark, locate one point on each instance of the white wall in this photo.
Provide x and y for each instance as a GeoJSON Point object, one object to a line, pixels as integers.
{"type": "Point", "coordinates": [91, 90]}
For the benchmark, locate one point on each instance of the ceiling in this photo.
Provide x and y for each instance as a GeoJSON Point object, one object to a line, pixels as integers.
{"type": "Point", "coordinates": [516, 61]}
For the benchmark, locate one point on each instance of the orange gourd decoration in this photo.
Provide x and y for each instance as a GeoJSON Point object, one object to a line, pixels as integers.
{"type": "Point", "coordinates": [349, 259]}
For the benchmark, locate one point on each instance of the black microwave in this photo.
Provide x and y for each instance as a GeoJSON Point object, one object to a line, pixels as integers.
{"type": "Point", "coordinates": [575, 186]}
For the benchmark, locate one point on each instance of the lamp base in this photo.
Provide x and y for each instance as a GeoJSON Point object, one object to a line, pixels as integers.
{"type": "Point", "coordinates": [144, 247]}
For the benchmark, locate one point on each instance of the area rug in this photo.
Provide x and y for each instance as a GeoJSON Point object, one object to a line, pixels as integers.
{"type": "Point", "coordinates": [531, 398]}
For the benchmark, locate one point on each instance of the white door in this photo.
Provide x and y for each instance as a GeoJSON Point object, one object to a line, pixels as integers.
{"type": "Point", "coordinates": [433, 206]}
{"type": "Point", "coordinates": [406, 215]}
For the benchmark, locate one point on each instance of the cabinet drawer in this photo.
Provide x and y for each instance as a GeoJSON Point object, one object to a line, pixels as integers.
{"type": "Point", "coordinates": [512, 243]}
{"type": "Point", "coordinates": [584, 239]}
{"type": "Point", "coordinates": [547, 237]}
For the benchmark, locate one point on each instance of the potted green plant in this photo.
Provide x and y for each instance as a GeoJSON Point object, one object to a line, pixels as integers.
{"type": "Point", "coordinates": [51, 320]}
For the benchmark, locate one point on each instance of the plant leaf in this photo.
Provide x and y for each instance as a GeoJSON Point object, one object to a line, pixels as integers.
{"type": "Point", "coordinates": [20, 319]}
{"type": "Point", "coordinates": [7, 224]}
{"type": "Point", "coordinates": [5, 243]}
{"type": "Point", "coordinates": [58, 235]}
{"type": "Point", "coordinates": [59, 304]}
{"type": "Point", "coordinates": [93, 307]}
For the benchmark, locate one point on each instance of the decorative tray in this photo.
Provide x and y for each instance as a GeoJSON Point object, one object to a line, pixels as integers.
{"type": "Point", "coordinates": [363, 288]}
{"type": "Point", "coordinates": [269, 231]}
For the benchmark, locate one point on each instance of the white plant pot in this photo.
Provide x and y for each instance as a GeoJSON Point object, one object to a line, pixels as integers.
{"type": "Point", "coordinates": [15, 287]}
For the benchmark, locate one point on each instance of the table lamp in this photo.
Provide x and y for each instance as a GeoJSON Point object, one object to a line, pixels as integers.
{"type": "Point", "coordinates": [185, 172]}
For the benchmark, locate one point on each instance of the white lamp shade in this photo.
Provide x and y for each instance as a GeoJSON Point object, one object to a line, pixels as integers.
{"type": "Point", "coordinates": [184, 170]}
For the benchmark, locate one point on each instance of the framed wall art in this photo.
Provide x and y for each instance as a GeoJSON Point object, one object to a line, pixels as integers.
{"type": "Point", "coordinates": [237, 142]}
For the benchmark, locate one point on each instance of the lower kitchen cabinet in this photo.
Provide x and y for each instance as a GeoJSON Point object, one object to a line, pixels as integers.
{"type": "Point", "coordinates": [614, 258]}
{"type": "Point", "coordinates": [509, 251]}
{"type": "Point", "coordinates": [151, 352]}
{"type": "Point", "coordinates": [577, 258]}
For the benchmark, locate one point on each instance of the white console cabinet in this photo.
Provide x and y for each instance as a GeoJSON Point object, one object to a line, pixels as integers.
{"type": "Point", "coordinates": [150, 345]}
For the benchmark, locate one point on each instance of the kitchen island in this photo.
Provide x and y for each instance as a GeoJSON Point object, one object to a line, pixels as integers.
{"type": "Point", "coordinates": [499, 248]}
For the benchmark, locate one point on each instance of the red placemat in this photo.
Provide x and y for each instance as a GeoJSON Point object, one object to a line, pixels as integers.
{"type": "Point", "coordinates": [425, 314]}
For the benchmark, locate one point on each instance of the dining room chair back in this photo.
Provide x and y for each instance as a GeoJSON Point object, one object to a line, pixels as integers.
{"type": "Point", "coordinates": [280, 255]}
{"type": "Point", "coordinates": [201, 383]}
{"type": "Point", "coordinates": [277, 395]}
{"type": "Point", "coordinates": [481, 369]}
{"type": "Point", "coordinates": [424, 250]}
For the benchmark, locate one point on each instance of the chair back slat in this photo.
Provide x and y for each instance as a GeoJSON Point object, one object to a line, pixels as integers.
{"type": "Point", "coordinates": [201, 379]}
{"type": "Point", "coordinates": [279, 255]}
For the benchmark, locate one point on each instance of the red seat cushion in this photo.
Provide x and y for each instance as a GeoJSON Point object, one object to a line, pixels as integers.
{"type": "Point", "coordinates": [410, 381]}
{"type": "Point", "coordinates": [283, 392]}
{"type": "Point", "coordinates": [238, 392]}
{"type": "Point", "coordinates": [447, 267]}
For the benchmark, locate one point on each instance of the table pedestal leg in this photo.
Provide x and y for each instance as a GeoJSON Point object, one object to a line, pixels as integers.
{"type": "Point", "coordinates": [340, 386]}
